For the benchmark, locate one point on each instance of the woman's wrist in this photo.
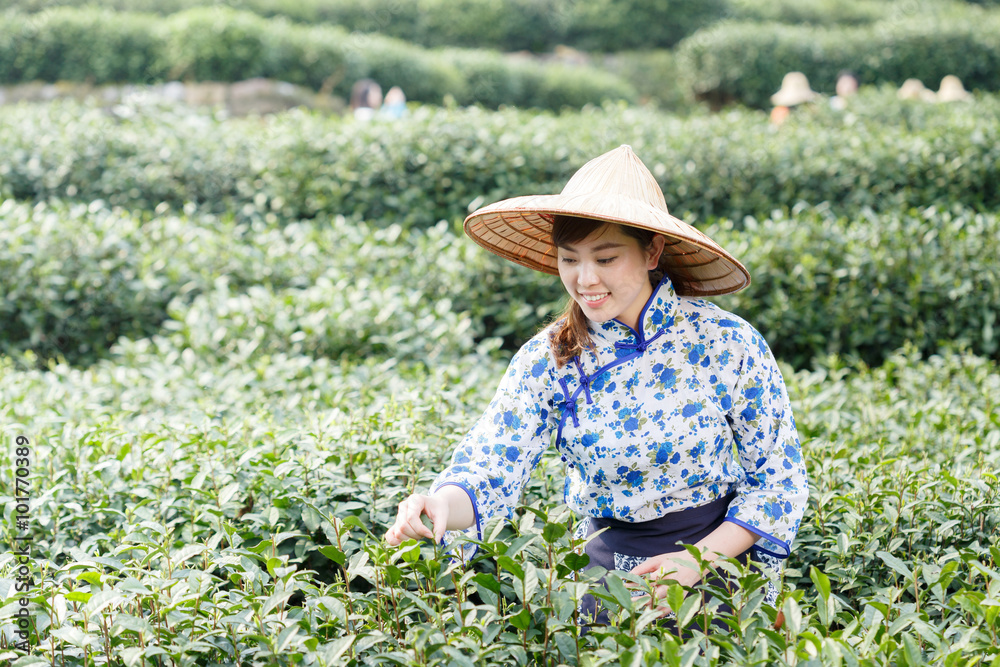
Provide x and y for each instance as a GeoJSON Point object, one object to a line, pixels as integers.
{"type": "Point", "coordinates": [461, 514]}
{"type": "Point", "coordinates": [729, 539]}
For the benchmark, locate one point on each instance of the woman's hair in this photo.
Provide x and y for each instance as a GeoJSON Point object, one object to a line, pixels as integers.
{"type": "Point", "coordinates": [366, 93]}
{"type": "Point", "coordinates": [570, 336]}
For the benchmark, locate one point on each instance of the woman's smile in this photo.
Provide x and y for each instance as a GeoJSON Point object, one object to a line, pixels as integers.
{"type": "Point", "coordinates": [594, 300]}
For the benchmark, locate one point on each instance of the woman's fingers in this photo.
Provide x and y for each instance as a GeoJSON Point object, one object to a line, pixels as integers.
{"type": "Point", "coordinates": [647, 566]}
{"type": "Point", "coordinates": [655, 565]}
{"type": "Point", "coordinates": [417, 507]}
{"type": "Point", "coordinates": [408, 524]}
{"type": "Point", "coordinates": [678, 566]}
{"type": "Point", "coordinates": [657, 601]}
{"type": "Point", "coordinates": [408, 519]}
{"type": "Point", "coordinates": [437, 513]}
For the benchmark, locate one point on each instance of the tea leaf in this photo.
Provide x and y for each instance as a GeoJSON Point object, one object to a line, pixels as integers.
{"type": "Point", "coordinates": [896, 564]}
{"type": "Point", "coordinates": [333, 553]}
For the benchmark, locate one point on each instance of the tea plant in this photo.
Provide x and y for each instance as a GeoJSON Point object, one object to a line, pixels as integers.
{"type": "Point", "coordinates": [219, 43]}
{"type": "Point", "coordinates": [437, 163]}
{"type": "Point", "coordinates": [79, 277]}
{"type": "Point", "coordinates": [231, 511]}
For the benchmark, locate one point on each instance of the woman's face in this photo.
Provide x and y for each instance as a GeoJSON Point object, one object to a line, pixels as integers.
{"type": "Point", "coordinates": [607, 273]}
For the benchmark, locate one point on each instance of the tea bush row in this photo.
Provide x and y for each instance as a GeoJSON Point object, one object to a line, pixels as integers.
{"type": "Point", "coordinates": [821, 285]}
{"type": "Point", "coordinates": [514, 25]}
{"type": "Point", "coordinates": [507, 25]}
{"type": "Point", "coordinates": [220, 44]}
{"type": "Point", "coordinates": [230, 511]}
{"type": "Point", "coordinates": [77, 278]}
{"type": "Point", "coordinates": [441, 163]}
{"type": "Point", "coordinates": [815, 12]}
{"type": "Point", "coordinates": [871, 282]}
{"type": "Point", "coordinates": [746, 61]}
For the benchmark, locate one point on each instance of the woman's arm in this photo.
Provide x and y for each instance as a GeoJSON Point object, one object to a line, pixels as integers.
{"type": "Point", "coordinates": [729, 539]}
{"type": "Point", "coordinates": [489, 467]}
{"type": "Point", "coordinates": [448, 508]}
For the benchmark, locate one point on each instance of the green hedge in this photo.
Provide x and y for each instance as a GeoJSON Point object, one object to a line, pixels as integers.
{"type": "Point", "coordinates": [95, 46]}
{"type": "Point", "coordinates": [78, 277]}
{"type": "Point", "coordinates": [656, 77]}
{"type": "Point", "coordinates": [623, 25]}
{"type": "Point", "coordinates": [746, 61]}
{"type": "Point", "coordinates": [815, 12]}
{"type": "Point", "coordinates": [73, 283]}
{"type": "Point", "coordinates": [220, 44]}
{"type": "Point", "coordinates": [505, 25]}
{"type": "Point", "coordinates": [436, 163]}
{"type": "Point", "coordinates": [871, 282]}
{"type": "Point", "coordinates": [856, 287]}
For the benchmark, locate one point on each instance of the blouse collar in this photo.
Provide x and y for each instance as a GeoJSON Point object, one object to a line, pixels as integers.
{"type": "Point", "coordinates": [656, 315]}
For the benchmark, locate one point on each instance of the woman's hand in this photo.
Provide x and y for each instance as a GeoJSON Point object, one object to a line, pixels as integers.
{"type": "Point", "coordinates": [728, 540]}
{"type": "Point", "coordinates": [679, 566]}
{"type": "Point", "coordinates": [408, 525]}
{"type": "Point", "coordinates": [449, 508]}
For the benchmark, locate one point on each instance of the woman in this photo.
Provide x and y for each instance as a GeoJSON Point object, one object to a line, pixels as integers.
{"type": "Point", "coordinates": [670, 413]}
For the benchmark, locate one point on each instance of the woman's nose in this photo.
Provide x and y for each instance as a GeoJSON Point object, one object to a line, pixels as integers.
{"type": "Point", "coordinates": [587, 274]}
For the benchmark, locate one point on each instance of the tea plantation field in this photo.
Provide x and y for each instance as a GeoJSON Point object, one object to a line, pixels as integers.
{"type": "Point", "coordinates": [231, 346]}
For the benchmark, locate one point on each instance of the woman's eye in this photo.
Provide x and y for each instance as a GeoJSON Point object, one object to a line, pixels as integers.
{"type": "Point", "coordinates": [606, 260]}
{"type": "Point", "coordinates": [567, 260]}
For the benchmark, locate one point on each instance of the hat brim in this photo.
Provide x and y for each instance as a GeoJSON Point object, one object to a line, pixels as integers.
{"type": "Point", "coordinates": [791, 98]}
{"type": "Point", "coordinates": [520, 230]}
{"type": "Point", "coordinates": [952, 96]}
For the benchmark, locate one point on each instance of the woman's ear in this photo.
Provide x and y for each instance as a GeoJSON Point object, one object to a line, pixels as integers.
{"type": "Point", "coordinates": [654, 251]}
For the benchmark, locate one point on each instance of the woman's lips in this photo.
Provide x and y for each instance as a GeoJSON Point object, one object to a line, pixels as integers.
{"type": "Point", "coordinates": [595, 300]}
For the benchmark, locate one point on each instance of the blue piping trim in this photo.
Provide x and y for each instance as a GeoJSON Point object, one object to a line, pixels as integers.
{"type": "Point", "coordinates": [569, 404]}
{"type": "Point", "coordinates": [642, 313]}
{"type": "Point", "coordinates": [618, 362]}
{"type": "Point", "coordinates": [584, 379]}
{"type": "Point", "coordinates": [768, 536]}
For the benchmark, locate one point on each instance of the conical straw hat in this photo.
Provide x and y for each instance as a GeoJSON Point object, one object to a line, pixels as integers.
{"type": "Point", "coordinates": [913, 89]}
{"type": "Point", "coordinates": [794, 90]}
{"type": "Point", "coordinates": [614, 187]}
{"type": "Point", "coordinates": [952, 90]}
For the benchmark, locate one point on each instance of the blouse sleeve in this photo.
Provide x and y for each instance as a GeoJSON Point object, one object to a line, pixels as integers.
{"type": "Point", "coordinates": [772, 499]}
{"type": "Point", "coordinates": [496, 457]}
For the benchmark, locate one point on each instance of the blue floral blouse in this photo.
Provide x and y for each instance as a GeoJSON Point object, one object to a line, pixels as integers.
{"type": "Point", "coordinates": [675, 415]}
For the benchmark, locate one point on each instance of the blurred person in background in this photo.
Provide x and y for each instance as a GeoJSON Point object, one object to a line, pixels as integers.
{"type": "Point", "coordinates": [846, 87]}
{"type": "Point", "coordinates": [794, 91]}
{"type": "Point", "coordinates": [914, 89]}
{"type": "Point", "coordinates": [366, 98]}
{"type": "Point", "coordinates": [395, 104]}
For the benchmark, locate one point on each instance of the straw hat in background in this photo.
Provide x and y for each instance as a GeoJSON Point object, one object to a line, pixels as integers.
{"type": "Point", "coordinates": [914, 89]}
{"type": "Point", "coordinates": [952, 90]}
{"type": "Point", "coordinates": [614, 187]}
{"type": "Point", "coordinates": [794, 90]}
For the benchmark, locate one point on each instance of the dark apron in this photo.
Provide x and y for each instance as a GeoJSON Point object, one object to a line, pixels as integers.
{"type": "Point", "coordinates": [625, 545]}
